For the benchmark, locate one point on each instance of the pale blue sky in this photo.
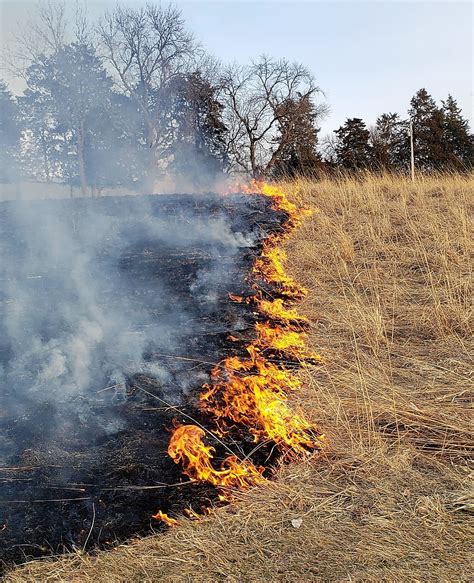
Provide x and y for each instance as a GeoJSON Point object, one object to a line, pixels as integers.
{"type": "Point", "coordinates": [368, 57]}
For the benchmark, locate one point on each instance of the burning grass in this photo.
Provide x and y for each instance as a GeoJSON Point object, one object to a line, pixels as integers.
{"type": "Point", "coordinates": [251, 393]}
{"type": "Point", "coordinates": [386, 266]}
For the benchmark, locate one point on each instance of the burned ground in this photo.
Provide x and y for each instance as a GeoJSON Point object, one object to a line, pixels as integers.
{"type": "Point", "coordinates": [76, 456]}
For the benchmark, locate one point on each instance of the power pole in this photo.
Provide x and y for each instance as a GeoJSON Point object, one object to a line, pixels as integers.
{"type": "Point", "coordinates": [412, 153]}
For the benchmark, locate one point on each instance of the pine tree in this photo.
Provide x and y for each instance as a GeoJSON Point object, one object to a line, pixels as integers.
{"type": "Point", "coordinates": [457, 139]}
{"type": "Point", "coordinates": [297, 139]}
{"type": "Point", "coordinates": [428, 132]}
{"type": "Point", "coordinates": [391, 143]}
{"type": "Point", "coordinates": [196, 132]}
{"type": "Point", "coordinates": [353, 150]}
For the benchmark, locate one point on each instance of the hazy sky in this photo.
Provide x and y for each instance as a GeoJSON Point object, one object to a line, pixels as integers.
{"type": "Point", "coordinates": [368, 57]}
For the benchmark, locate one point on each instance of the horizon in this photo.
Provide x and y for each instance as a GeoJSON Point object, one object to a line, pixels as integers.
{"type": "Point", "coordinates": [357, 80]}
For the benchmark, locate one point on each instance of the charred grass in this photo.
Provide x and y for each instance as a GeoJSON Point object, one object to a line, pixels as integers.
{"type": "Point", "coordinates": [387, 265]}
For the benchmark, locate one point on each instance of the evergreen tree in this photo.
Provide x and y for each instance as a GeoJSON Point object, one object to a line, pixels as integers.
{"type": "Point", "coordinates": [428, 132]}
{"type": "Point", "coordinates": [353, 150]}
{"type": "Point", "coordinates": [66, 93]}
{"type": "Point", "coordinates": [457, 139]}
{"type": "Point", "coordinates": [391, 143]}
{"type": "Point", "coordinates": [9, 136]}
{"type": "Point", "coordinates": [297, 138]}
{"type": "Point", "coordinates": [196, 134]}
{"type": "Point", "coordinates": [40, 139]}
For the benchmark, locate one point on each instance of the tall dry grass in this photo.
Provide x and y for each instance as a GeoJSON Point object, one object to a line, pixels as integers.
{"type": "Point", "coordinates": [387, 265]}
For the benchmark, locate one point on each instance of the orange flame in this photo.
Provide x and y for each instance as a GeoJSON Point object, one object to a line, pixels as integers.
{"type": "Point", "coordinates": [275, 310]}
{"type": "Point", "coordinates": [289, 343]}
{"type": "Point", "coordinates": [187, 447]}
{"type": "Point", "coordinates": [269, 267]}
{"type": "Point", "coordinates": [252, 392]}
{"type": "Point", "coordinates": [165, 518]}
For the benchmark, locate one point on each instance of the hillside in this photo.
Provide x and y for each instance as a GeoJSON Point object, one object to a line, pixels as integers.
{"type": "Point", "coordinates": [388, 271]}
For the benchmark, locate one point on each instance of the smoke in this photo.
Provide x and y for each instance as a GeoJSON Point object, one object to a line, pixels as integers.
{"type": "Point", "coordinates": [91, 290]}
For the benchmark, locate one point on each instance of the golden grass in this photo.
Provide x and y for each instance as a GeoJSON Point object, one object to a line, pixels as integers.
{"type": "Point", "coordinates": [388, 270]}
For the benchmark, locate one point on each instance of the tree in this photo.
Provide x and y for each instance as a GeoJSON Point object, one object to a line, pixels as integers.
{"type": "Point", "coordinates": [113, 153]}
{"type": "Point", "coordinates": [353, 150]}
{"type": "Point", "coordinates": [42, 34]}
{"type": "Point", "coordinates": [298, 136]}
{"type": "Point", "coordinates": [197, 132]}
{"type": "Point", "coordinates": [391, 142]}
{"type": "Point", "coordinates": [146, 49]}
{"type": "Point", "coordinates": [457, 139]}
{"type": "Point", "coordinates": [65, 92]}
{"type": "Point", "coordinates": [40, 146]}
{"type": "Point", "coordinates": [10, 132]}
{"type": "Point", "coordinates": [257, 98]}
{"type": "Point", "coordinates": [428, 132]}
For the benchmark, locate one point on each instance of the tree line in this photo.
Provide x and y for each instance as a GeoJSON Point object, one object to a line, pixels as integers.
{"type": "Point", "coordinates": [441, 138]}
{"type": "Point", "coordinates": [134, 97]}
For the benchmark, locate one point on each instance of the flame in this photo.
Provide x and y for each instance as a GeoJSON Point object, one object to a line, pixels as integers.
{"type": "Point", "coordinates": [269, 267]}
{"type": "Point", "coordinates": [252, 392]}
{"type": "Point", "coordinates": [278, 197]}
{"type": "Point", "coordinates": [279, 338]}
{"type": "Point", "coordinates": [165, 518]}
{"type": "Point", "coordinates": [276, 310]}
{"type": "Point", "coordinates": [187, 447]}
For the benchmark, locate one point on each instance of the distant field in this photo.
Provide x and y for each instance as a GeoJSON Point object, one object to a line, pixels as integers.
{"type": "Point", "coordinates": [388, 269]}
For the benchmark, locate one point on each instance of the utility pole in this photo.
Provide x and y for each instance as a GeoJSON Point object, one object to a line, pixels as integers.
{"type": "Point", "coordinates": [412, 153]}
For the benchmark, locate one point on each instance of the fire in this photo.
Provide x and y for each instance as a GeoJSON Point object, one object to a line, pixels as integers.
{"type": "Point", "coordinates": [289, 343]}
{"type": "Point", "coordinates": [191, 514]}
{"type": "Point", "coordinates": [278, 197]}
{"type": "Point", "coordinates": [165, 518]}
{"type": "Point", "coordinates": [279, 338]}
{"type": "Point", "coordinates": [188, 448]}
{"type": "Point", "coordinates": [276, 310]}
{"type": "Point", "coordinates": [269, 267]}
{"type": "Point", "coordinates": [251, 393]}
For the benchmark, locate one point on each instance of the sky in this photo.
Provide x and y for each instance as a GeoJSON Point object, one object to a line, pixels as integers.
{"type": "Point", "coordinates": [367, 57]}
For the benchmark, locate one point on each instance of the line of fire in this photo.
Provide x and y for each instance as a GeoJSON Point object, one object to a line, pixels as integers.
{"type": "Point", "coordinates": [148, 359]}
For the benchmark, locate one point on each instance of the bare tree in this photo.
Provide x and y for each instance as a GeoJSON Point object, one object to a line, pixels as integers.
{"type": "Point", "coordinates": [328, 149]}
{"type": "Point", "coordinates": [50, 27]}
{"type": "Point", "coordinates": [146, 48]}
{"type": "Point", "coordinates": [43, 33]}
{"type": "Point", "coordinates": [255, 96]}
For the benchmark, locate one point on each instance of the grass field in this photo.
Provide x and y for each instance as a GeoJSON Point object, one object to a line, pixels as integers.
{"type": "Point", "coordinates": [388, 271]}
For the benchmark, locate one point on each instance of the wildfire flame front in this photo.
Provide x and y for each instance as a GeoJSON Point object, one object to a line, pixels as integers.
{"type": "Point", "coordinates": [251, 392]}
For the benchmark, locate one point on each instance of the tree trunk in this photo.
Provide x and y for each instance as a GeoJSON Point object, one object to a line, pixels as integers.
{"type": "Point", "coordinates": [149, 178]}
{"type": "Point", "coordinates": [80, 157]}
{"type": "Point", "coordinates": [253, 163]}
{"type": "Point", "coordinates": [45, 157]}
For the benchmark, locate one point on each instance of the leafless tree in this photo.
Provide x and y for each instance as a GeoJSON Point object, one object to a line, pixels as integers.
{"type": "Point", "coordinates": [50, 26]}
{"type": "Point", "coordinates": [146, 48]}
{"type": "Point", "coordinates": [41, 34]}
{"type": "Point", "coordinates": [254, 98]}
{"type": "Point", "coordinates": [328, 148]}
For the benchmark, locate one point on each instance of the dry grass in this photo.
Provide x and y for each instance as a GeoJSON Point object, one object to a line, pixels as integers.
{"type": "Point", "coordinates": [387, 266]}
